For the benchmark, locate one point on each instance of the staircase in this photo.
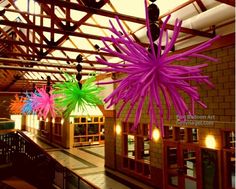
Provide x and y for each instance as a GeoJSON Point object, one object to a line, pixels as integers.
{"type": "Point", "coordinates": [23, 164]}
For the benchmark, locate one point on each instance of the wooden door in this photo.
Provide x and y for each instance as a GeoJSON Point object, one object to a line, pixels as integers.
{"type": "Point", "coordinates": [181, 166]}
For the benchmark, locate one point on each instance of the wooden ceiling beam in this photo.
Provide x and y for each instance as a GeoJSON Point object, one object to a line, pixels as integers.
{"type": "Point", "coordinates": [110, 14]}
{"type": "Point", "coordinates": [78, 7]}
{"type": "Point", "coordinates": [21, 43]}
{"type": "Point", "coordinates": [48, 57]}
{"type": "Point", "coordinates": [201, 5]}
{"type": "Point", "coordinates": [96, 37]}
{"type": "Point", "coordinates": [37, 70]}
{"type": "Point", "coordinates": [176, 8]}
{"type": "Point", "coordinates": [21, 34]}
{"type": "Point", "coordinates": [52, 15]}
{"type": "Point", "coordinates": [10, 61]}
{"type": "Point", "coordinates": [229, 2]}
{"type": "Point", "coordinates": [36, 80]}
{"type": "Point", "coordinates": [28, 69]}
{"type": "Point", "coordinates": [76, 25]}
{"type": "Point", "coordinates": [31, 63]}
{"type": "Point", "coordinates": [29, 22]}
{"type": "Point", "coordinates": [8, 38]}
{"type": "Point", "coordinates": [62, 19]}
{"type": "Point", "coordinates": [14, 24]}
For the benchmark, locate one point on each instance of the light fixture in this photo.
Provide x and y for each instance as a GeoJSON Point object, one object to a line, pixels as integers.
{"type": "Point", "coordinates": [53, 120]}
{"type": "Point", "coordinates": [210, 141]}
{"type": "Point", "coordinates": [62, 121]}
{"type": "Point", "coordinates": [156, 134]}
{"type": "Point", "coordinates": [118, 129]}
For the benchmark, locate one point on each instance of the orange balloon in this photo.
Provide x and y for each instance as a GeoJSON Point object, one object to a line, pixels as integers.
{"type": "Point", "coordinates": [17, 104]}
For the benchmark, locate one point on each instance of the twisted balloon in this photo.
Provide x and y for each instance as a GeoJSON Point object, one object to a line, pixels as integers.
{"type": "Point", "coordinates": [149, 76]}
{"type": "Point", "coordinates": [16, 105]}
{"type": "Point", "coordinates": [28, 104]}
{"type": "Point", "coordinates": [70, 95]}
{"type": "Point", "coordinates": [43, 103]}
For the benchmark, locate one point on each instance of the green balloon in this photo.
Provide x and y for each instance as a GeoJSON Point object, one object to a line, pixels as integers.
{"type": "Point", "coordinates": [69, 94]}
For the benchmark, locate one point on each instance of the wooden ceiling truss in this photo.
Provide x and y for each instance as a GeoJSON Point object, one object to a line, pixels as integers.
{"type": "Point", "coordinates": [24, 46]}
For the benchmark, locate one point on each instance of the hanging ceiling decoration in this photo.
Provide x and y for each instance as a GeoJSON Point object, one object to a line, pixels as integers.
{"type": "Point", "coordinates": [72, 93]}
{"type": "Point", "coordinates": [16, 105]}
{"type": "Point", "coordinates": [43, 102]}
{"type": "Point", "coordinates": [28, 104]}
{"type": "Point", "coordinates": [149, 76]}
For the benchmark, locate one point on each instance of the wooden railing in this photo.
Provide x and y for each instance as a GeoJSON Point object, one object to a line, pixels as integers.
{"type": "Point", "coordinates": [35, 165]}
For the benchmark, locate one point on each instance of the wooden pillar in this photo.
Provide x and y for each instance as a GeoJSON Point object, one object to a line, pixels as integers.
{"type": "Point", "coordinates": [110, 143]}
{"type": "Point", "coordinates": [23, 122]}
{"type": "Point", "coordinates": [67, 133]}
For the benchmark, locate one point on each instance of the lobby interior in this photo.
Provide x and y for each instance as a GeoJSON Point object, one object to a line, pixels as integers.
{"type": "Point", "coordinates": [134, 143]}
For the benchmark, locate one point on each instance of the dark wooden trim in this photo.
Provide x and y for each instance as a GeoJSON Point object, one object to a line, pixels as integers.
{"type": "Point", "coordinates": [229, 2]}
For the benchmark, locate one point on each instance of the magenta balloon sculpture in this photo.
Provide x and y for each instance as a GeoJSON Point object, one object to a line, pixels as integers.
{"type": "Point", "coordinates": [152, 76]}
{"type": "Point", "coordinates": [43, 103]}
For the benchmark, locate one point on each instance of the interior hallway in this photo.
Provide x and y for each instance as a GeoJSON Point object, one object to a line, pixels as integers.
{"type": "Point", "coordinates": [88, 162]}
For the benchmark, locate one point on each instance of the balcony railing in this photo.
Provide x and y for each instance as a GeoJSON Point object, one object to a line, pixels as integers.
{"type": "Point", "coordinates": [33, 164]}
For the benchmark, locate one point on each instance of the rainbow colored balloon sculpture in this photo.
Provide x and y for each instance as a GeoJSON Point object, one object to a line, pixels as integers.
{"type": "Point", "coordinates": [149, 76]}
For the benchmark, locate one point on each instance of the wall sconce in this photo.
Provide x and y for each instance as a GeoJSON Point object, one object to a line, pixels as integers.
{"type": "Point", "coordinates": [156, 134]}
{"type": "Point", "coordinates": [118, 129]}
{"type": "Point", "coordinates": [47, 120]}
{"type": "Point", "coordinates": [62, 121]}
{"type": "Point", "coordinates": [53, 120]}
{"type": "Point", "coordinates": [210, 141]}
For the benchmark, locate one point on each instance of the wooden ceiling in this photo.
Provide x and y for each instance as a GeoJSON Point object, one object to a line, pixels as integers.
{"type": "Point", "coordinates": [38, 43]}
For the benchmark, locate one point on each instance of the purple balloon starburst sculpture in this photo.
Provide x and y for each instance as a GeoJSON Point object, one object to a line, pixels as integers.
{"type": "Point", "coordinates": [152, 76]}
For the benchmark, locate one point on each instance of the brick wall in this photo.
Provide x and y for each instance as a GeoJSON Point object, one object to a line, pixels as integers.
{"type": "Point", "coordinates": [220, 114]}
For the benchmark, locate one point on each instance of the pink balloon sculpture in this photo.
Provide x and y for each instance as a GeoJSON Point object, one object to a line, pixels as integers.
{"type": "Point", "coordinates": [152, 75]}
{"type": "Point", "coordinates": [43, 103]}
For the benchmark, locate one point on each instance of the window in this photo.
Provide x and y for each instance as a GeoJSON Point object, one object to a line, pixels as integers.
{"type": "Point", "coordinates": [136, 149]}
{"type": "Point", "coordinates": [144, 149]}
{"type": "Point", "coordinates": [229, 139]}
{"type": "Point", "coordinates": [88, 130]}
{"type": "Point", "coordinates": [131, 146]}
{"type": "Point", "coordinates": [168, 132]}
{"type": "Point", "coordinates": [93, 129]}
{"type": "Point", "coordinates": [181, 133]}
{"type": "Point", "coordinates": [229, 159]}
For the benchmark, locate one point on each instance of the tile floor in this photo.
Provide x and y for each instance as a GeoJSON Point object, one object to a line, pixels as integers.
{"type": "Point", "coordinates": [87, 162]}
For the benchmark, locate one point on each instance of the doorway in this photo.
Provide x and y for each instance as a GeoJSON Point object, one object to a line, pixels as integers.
{"type": "Point", "coordinates": [181, 165]}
